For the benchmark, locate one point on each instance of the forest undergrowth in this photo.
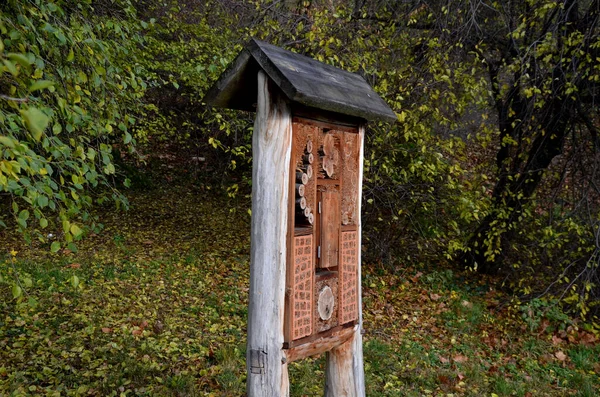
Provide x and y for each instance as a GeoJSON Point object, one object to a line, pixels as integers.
{"type": "Point", "coordinates": [157, 303]}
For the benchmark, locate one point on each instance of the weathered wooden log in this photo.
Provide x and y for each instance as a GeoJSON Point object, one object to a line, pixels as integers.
{"type": "Point", "coordinates": [271, 145]}
{"type": "Point", "coordinates": [302, 178]}
{"type": "Point", "coordinates": [311, 218]}
{"type": "Point", "coordinates": [308, 158]}
{"type": "Point", "coordinates": [301, 203]}
{"type": "Point", "coordinates": [309, 146]}
{"type": "Point", "coordinates": [300, 189]}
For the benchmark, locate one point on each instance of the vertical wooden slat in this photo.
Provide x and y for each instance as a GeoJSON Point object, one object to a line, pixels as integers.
{"type": "Point", "coordinates": [271, 151]}
{"type": "Point", "coordinates": [330, 229]}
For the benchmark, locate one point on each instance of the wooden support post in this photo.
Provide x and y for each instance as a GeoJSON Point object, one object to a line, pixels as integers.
{"type": "Point", "coordinates": [271, 152]}
{"type": "Point", "coordinates": [344, 374]}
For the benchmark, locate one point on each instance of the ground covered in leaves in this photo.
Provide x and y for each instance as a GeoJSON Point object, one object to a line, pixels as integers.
{"type": "Point", "coordinates": [156, 305]}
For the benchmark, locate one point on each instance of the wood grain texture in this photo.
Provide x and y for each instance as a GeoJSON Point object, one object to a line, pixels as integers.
{"type": "Point", "coordinates": [344, 373]}
{"type": "Point", "coordinates": [320, 345]}
{"type": "Point", "coordinates": [271, 151]}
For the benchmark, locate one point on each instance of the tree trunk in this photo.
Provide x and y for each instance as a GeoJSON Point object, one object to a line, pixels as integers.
{"type": "Point", "coordinates": [271, 153]}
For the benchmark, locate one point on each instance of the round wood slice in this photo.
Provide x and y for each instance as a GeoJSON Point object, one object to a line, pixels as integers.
{"type": "Point", "coordinates": [300, 189]}
{"type": "Point", "coordinates": [302, 178]}
{"type": "Point", "coordinates": [311, 218]}
{"type": "Point", "coordinates": [308, 158]}
{"type": "Point", "coordinates": [307, 211]}
{"type": "Point", "coordinates": [301, 202]}
{"type": "Point", "coordinates": [309, 146]}
{"type": "Point", "coordinates": [325, 303]}
{"type": "Point", "coordinates": [309, 171]}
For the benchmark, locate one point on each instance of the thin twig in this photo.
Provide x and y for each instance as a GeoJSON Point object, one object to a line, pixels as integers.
{"type": "Point", "coordinates": [8, 98]}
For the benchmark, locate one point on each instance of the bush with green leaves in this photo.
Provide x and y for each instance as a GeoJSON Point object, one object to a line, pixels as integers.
{"type": "Point", "coordinates": [68, 98]}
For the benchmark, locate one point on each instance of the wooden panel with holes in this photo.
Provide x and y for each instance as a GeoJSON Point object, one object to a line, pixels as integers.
{"type": "Point", "coordinates": [301, 303]}
{"type": "Point", "coordinates": [349, 277]}
{"type": "Point", "coordinates": [350, 177]}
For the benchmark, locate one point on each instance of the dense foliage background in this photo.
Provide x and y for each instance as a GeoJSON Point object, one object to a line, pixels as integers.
{"type": "Point", "coordinates": [483, 198]}
{"type": "Point", "coordinates": [492, 165]}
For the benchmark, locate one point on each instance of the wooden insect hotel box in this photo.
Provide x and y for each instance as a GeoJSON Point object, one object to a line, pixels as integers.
{"type": "Point", "coordinates": [305, 296]}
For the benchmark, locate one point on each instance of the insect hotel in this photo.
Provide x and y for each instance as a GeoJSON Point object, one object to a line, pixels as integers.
{"type": "Point", "coordinates": [305, 296]}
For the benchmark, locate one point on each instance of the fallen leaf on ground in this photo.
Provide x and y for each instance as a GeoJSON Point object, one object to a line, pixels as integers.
{"type": "Point", "coordinates": [459, 358]}
{"type": "Point", "coordinates": [560, 356]}
{"type": "Point", "coordinates": [556, 340]}
{"type": "Point", "coordinates": [74, 266]}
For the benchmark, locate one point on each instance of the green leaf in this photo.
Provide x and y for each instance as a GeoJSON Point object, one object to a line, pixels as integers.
{"type": "Point", "coordinates": [55, 246]}
{"type": "Point", "coordinates": [74, 281]}
{"type": "Point", "coordinates": [32, 302]}
{"type": "Point", "coordinates": [43, 223]}
{"type": "Point", "coordinates": [36, 121]}
{"type": "Point", "coordinates": [24, 214]}
{"type": "Point", "coordinates": [42, 201]}
{"type": "Point", "coordinates": [11, 67]}
{"type": "Point", "coordinates": [27, 282]}
{"type": "Point", "coordinates": [72, 247]}
{"type": "Point", "coordinates": [40, 85]}
{"type": "Point", "coordinates": [109, 169]}
{"type": "Point", "coordinates": [57, 129]}
{"type": "Point", "coordinates": [7, 141]}
{"type": "Point", "coordinates": [16, 291]}
{"type": "Point", "coordinates": [21, 59]}
{"type": "Point", "coordinates": [76, 230]}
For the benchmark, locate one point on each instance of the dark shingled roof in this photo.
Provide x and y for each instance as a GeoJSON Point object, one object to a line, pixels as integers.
{"type": "Point", "coordinates": [302, 79]}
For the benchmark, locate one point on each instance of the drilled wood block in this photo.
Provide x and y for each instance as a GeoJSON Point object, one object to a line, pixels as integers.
{"type": "Point", "coordinates": [350, 170]}
{"type": "Point", "coordinates": [326, 309]}
{"type": "Point", "coordinates": [302, 288]}
{"type": "Point", "coordinates": [349, 278]}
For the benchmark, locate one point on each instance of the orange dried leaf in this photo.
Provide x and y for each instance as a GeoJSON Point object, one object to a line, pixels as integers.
{"type": "Point", "coordinates": [560, 356]}
{"type": "Point", "coordinates": [556, 340]}
{"type": "Point", "coordinates": [459, 358]}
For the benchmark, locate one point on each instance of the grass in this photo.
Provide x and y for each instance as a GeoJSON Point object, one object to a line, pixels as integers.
{"type": "Point", "coordinates": [161, 311]}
